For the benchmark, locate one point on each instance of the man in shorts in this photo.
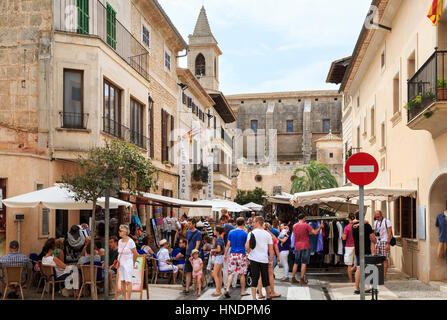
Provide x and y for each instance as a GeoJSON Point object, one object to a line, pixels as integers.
{"type": "Point", "coordinates": [349, 248]}
{"type": "Point", "coordinates": [383, 232]}
{"type": "Point", "coordinates": [237, 265]}
{"type": "Point", "coordinates": [193, 241]}
{"type": "Point", "coordinates": [259, 257]}
{"type": "Point", "coordinates": [301, 232]}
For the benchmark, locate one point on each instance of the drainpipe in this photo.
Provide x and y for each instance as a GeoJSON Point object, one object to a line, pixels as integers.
{"type": "Point", "coordinates": [187, 51]}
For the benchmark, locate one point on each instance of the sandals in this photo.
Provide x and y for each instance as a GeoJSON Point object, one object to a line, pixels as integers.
{"type": "Point", "coordinates": [215, 294]}
{"type": "Point", "coordinates": [245, 294]}
{"type": "Point", "coordinates": [227, 294]}
{"type": "Point", "coordinates": [278, 295]}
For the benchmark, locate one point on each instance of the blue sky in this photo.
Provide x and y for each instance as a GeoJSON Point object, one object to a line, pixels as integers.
{"type": "Point", "coordinates": [282, 45]}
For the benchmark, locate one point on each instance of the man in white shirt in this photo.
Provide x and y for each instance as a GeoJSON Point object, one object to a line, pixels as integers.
{"type": "Point", "coordinates": [383, 233]}
{"type": "Point", "coordinates": [164, 257]}
{"type": "Point", "coordinates": [259, 256]}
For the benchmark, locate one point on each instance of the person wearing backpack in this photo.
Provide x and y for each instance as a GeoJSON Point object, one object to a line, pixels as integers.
{"type": "Point", "coordinates": [259, 246]}
{"type": "Point", "coordinates": [384, 235]}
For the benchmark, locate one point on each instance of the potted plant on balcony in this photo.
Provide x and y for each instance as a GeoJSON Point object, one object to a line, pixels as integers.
{"type": "Point", "coordinates": [420, 100]}
{"type": "Point", "coordinates": [442, 89]}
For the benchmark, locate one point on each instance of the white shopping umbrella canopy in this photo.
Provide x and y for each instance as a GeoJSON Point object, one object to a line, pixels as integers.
{"type": "Point", "coordinates": [219, 204]}
{"type": "Point", "coordinates": [253, 206]}
{"type": "Point", "coordinates": [57, 197]}
{"type": "Point", "coordinates": [348, 193]}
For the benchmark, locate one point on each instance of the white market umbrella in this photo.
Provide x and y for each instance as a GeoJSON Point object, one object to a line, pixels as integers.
{"type": "Point", "coordinates": [219, 204]}
{"type": "Point", "coordinates": [348, 193]}
{"type": "Point", "coordinates": [57, 197]}
{"type": "Point", "coordinates": [254, 206]}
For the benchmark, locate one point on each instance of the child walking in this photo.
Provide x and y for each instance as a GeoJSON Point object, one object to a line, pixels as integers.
{"type": "Point", "coordinates": [197, 267]}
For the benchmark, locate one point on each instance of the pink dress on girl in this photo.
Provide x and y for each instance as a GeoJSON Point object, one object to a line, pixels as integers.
{"type": "Point", "coordinates": [197, 270]}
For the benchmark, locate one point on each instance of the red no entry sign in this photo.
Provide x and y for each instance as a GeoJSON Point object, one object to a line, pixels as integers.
{"type": "Point", "coordinates": [361, 169]}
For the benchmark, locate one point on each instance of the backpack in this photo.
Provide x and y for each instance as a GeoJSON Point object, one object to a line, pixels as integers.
{"type": "Point", "coordinates": [252, 241]}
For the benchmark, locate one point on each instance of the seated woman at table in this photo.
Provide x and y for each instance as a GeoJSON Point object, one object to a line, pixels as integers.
{"type": "Point", "coordinates": [146, 247]}
{"type": "Point", "coordinates": [47, 244]}
{"type": "Point", "coordinates": [59, 249]}
{"type": "Point", "coordinates": [63, 271]}
{"type": "Point", "coordinates": [163, 256]}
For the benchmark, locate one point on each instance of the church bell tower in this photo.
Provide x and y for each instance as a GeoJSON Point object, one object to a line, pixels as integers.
{"type": "Point", "coordinates": [203, 57]}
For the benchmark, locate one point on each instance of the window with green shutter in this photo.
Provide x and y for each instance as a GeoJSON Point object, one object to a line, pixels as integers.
{"type": "Point", "coordinates": [83, 17]}
{"type": "Point", "coordinates": [111, 26]}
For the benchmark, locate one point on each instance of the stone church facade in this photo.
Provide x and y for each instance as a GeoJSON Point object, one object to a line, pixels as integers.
{"type": "Point", "coordinates": [277, 132]}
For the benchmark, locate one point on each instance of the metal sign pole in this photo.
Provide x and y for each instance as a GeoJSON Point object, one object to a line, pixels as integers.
{"type": "Point", "coordinates": [362, 242]}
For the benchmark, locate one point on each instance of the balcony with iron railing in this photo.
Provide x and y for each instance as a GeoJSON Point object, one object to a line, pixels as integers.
{"type": "Point", "coordinates": [427, 96]}
{"type": "Point", "coordinates": [91, 18]}
{"type": "Point", "coordinates": [117, 130]}
{"type": "Point", "coordinates": [225, 137]}
{"type": "Point", "coordinates": [73, 120]}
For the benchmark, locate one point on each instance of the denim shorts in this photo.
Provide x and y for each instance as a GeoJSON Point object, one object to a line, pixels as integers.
{"type": "Point", "coordinates": [302, 256]}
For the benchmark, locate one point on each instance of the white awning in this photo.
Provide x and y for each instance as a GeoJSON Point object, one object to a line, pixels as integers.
{"type": "Point", "coordinates": [254, 206]}
{"type": "Point", "coordinates": [219, 204]}
{"type": "Point", "coordinates": [284, 198]}
{"type": "Point", "coordinates": [175, 202]}
{"type": "Point", "coordinates": [349, 193]}
{"type": "Point", "coordinates": [57, 197]}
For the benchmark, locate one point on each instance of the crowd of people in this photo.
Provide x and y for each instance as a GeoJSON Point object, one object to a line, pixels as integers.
{"type": "Point", "coordinates": [233, 248]}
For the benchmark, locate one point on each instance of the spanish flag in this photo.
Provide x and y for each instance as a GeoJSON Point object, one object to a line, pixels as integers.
{"type": "Point", "coordinates": [188, 135]}
{"type": "Point", "coordinates": [435, 11]}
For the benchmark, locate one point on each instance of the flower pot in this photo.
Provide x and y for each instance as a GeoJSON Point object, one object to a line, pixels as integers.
{"type": "Point", "coordinates": [442, 93]}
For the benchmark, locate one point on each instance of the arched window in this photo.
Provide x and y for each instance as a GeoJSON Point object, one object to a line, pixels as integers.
{"type": "Point", "coordinates": [200, 65]}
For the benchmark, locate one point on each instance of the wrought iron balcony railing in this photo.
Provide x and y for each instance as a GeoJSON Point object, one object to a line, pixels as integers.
{"type": "Point", "coordinates": [119, 131]}
{"type": "Point", "coordinates": [427, 85]}
{"type": "Point", "coordinates": [92, 18]}
{"type": "Point", "coordinates": [73, 120]}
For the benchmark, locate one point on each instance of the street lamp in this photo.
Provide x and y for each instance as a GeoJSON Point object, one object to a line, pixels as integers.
{"type": "Point", "coordinates": [237, 173]}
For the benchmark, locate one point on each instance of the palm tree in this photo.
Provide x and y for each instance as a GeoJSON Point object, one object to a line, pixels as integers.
{"type": "Point", "coordinates": [316, 176]}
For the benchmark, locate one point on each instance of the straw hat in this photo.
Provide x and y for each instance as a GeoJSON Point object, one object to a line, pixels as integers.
{"type": "Point", "coordinates": [162, 242]}
{"type": "Point", "coordinates": [194, 251]}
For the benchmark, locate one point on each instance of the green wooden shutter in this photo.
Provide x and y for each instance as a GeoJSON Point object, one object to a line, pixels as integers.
{"type": "Point", "coordinates": [83, 16]}
{"type": "Point", "coordinates": [111, 26]}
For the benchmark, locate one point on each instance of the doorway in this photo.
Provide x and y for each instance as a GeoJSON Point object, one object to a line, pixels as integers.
{"type": "Point", "coordinates": [61, 223]}
{"type": "Point", "coordinates": [437, 205]}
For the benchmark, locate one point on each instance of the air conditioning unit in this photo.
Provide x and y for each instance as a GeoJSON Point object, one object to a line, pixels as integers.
{"type": "Point", "coordinates": [19, 217]}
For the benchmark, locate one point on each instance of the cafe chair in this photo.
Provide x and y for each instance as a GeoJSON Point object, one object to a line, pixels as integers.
{"type": "Point", "coordinates": [49, 276]}
{"type": "Point", "coordinates": [157, 271]}
{"type": "Point", "coordinates": [13, 277]}
{"type": "Point", "coordinates": [87, 280]}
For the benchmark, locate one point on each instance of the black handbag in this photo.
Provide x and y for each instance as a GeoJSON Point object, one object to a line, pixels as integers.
{"type": "Point", "coordinates": [392, 240]}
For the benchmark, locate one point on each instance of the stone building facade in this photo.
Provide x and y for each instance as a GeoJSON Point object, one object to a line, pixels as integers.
{"type": "Point", "coordinates": [59, 77]}
{"type": "Point", "coordinates": [277, 132]}
{"type": "Point", "coordinates": [395, 110]}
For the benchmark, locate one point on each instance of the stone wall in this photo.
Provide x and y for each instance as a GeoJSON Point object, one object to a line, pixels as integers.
{"type": "Point", "coordinates": [274, 113]}
{"type": "Point", "coordinates": [22, 25]}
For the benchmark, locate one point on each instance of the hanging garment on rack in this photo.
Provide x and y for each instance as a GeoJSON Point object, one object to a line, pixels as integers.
{"type": "Point", "coordinates": [320, 241]}
{"type": "Point", "coordinates": [340, 238]}
{"type": "Point", "coordinates": [331, 238]}
{"type": "Point", "coordinates": [326, 238]}
{"type": "Point", "coordinates": [336, 235]}
{"type": "Point", "coordinates": [313, 238]}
